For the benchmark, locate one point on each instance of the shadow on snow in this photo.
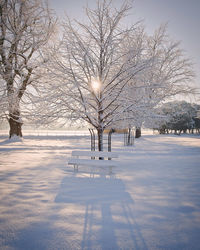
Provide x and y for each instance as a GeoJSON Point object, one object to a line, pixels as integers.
{"type": "Point", "coordinates": [108, 220]}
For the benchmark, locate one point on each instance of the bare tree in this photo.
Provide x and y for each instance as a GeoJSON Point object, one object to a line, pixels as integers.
{"type": "Point", "coordinates": [172, 72]}
{"type": "Point", "coordinates": [105, 74]}
{"type": "Point", "coordinates": [25, 28]}
{"type": "Point", "coordinates": [92, 66]}
{"type": "Point", "coordinates": [168, 74]}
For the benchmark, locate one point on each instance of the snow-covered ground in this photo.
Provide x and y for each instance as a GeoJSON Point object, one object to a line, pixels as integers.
{"type": "Point", "coordinates": [152, 201]}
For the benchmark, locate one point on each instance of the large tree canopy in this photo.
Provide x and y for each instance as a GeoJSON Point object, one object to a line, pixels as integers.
{"type": "Point", "coordinates": [93, 65]}
{"type": "Point", "coordinates": [105, 74]}
{"type": "Point", "coordinates": [25, 28]}
{"type": "Point", "coordinates": [168, 74]}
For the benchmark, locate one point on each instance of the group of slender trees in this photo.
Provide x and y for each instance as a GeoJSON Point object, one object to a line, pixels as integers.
{"type": "Point", "coordinates": [100, 72]}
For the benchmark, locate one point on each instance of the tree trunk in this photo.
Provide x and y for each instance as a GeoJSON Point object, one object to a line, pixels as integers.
{"type": "Point", "coordinates": [129, 137]}
{"type": "Point", "coordinates": [15, 124]}
{"type": "Point", "coordinates": [100, 139]}
{"type": "Point", "coordinates": [138, 132]}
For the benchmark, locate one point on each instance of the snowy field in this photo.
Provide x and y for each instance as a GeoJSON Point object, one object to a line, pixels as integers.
{"type": "Point", "coordinates": [152, 201]}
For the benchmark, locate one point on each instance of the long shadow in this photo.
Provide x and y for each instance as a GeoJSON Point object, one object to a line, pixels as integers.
{"type": "Point", "coordinates": [170, 145]}
{"type": "Point", "coordinates": [30, 149]}
{"type": "Point", "coordinates": [108, 221]}
{"type": "Point", "coordinates": [9, 145]}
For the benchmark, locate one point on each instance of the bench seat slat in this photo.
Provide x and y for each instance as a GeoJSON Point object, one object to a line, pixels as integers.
{"type": "Point", "coordinates": [95, 154]}
{"type": "Point", "coordinates": [77, 161]}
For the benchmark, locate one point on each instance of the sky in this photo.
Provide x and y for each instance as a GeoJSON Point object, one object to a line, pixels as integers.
{"type": "Point", "coordinates": [182, 16]}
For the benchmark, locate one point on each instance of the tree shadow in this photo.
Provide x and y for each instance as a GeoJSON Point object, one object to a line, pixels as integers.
{"type": "Point", "coordinates": [108, 219]}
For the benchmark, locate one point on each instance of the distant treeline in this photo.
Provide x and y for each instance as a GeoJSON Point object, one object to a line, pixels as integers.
{"type": "Point", "coordinates": [179, 117]}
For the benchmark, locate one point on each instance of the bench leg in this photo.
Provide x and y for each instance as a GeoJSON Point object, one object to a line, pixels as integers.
{"type": "Point", "coordinates": [75, 168]}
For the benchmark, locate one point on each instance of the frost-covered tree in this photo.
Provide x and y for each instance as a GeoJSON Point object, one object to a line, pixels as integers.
{"type": "Point", "coordinates": [172, 72]}
{"type": "Point", "coordinates": [25, 28]}
{"type": "Point", "coordinates": [179, 116]}
{"type": "Point", "coordinates": [168, 74]}
{"type": "Point", "coordinates": [107, 75]}
{"type": "Point", "coordinates": [94, 63]}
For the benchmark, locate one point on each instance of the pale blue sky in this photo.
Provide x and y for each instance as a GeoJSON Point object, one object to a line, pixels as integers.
{"type": "Point", "coordinates": [183, 17]}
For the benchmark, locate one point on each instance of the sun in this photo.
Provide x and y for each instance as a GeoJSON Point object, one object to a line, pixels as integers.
{"type": "Point", "coordinates": [95, 85]}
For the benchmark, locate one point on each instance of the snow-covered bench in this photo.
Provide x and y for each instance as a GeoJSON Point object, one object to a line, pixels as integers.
{"type": "Point", "coordinates": [96, 159]}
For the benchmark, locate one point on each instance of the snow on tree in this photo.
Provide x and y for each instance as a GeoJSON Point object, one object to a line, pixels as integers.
{"type": "Point", "coordinates": [92, 66]}
{"type": "Point", "coordinates": [108, 76]}
{"type": "Point", "coordinates": [25, 28]}
{"type": "Point", "coordinates": [172, 71]}
{"type": "Point", "coordinates": [179, 116]}
{"type": "Point", "coordinates": [168, 74]}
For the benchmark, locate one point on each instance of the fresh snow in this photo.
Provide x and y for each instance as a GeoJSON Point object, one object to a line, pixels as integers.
{"type": "Point", "coordinates": [151, 201]}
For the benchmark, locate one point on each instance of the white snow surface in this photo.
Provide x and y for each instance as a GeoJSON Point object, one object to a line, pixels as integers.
{"type": "Point", "coordinates": [151, 201]}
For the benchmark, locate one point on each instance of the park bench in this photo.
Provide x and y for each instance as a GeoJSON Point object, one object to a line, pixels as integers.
{"type": "Point", "coordinates": [93, 158]}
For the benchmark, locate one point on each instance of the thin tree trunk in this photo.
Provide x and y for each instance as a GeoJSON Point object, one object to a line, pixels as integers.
{"type": "Point", "coordinates": [15, 124]}
{"type": "Point", "coordinates": [100, 139]}
{"type": "Point", "coordinates": [138, 132]}
{"type": "Point", "coordinates": [129, 137]}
